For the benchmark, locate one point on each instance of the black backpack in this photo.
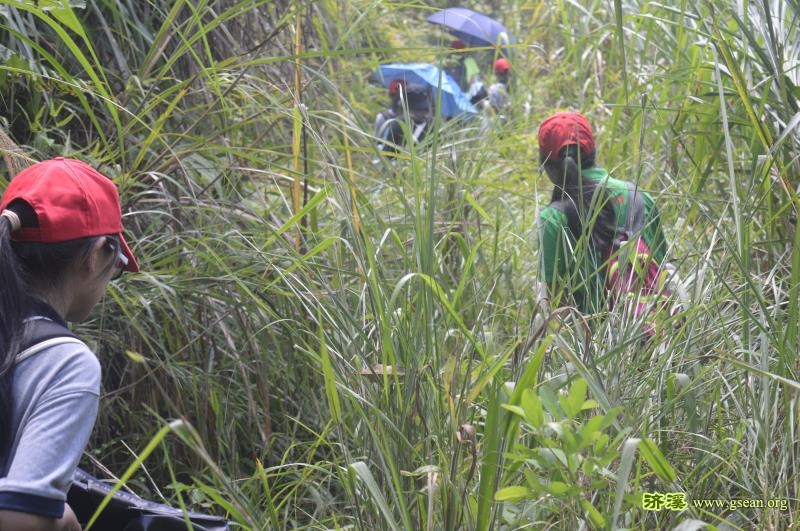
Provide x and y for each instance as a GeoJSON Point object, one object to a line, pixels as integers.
{"type": "Point", "coordinates": [128, 512]}
{"type": "Point", "coordinates": [125, 511]}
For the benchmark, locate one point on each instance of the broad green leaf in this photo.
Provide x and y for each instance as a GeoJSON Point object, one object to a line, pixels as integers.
{"type": "Point", "coordinates": [517, 410]}
{"type": "Point", "coordinates": [532, 406]}
{"type": "Point", "coordinates": [597, 519]}
{"type": "Point", "coordinates": [550, 401]}
{"type": "Point", "coordinates": [575, 398]}
{"type": "Point", "coordinates": [589, 404]}
{"type": "Point", "coordinates": [512, 494]}
{"type": "Point", "coordinates": [557, 488]}
{"type": "Point", "coordinates": [657, 461]}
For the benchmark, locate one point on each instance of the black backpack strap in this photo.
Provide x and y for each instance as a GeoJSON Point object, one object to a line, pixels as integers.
{"type": "Point", "coordinates": [383, 130]}
{"type": "Point", "coordinates": [41, 333]}
{"type": "Point", "coordinates": [39, 329]}
{"type": "Point", "coordinates": [390, 134]}
{"type": "Point", "coordinates": [418, 130]}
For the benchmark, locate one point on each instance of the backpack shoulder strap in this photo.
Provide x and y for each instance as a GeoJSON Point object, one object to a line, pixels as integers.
{"type": "Point", "coordinates": [635, 220]}
{"type": "Point", "coordinates": [42, 333]}
{"type": "Point", "coordinates": [560, 205]}
{"type": "Point", "coordinates": [419, 129]}
{"type": "Point", "coordinates": [387, 125]}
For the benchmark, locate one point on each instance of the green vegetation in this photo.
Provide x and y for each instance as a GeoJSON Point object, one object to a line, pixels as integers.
{"type": "Point", "coordinates": [354, 344]}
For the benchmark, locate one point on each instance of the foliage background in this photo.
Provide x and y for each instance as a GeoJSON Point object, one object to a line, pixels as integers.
{"type": "Point", "coordinates": [284, 260]}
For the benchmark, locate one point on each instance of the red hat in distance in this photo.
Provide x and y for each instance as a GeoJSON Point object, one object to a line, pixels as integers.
{"type": "Point", "coordinates": [72, 200]}
{"type": "Point", "coordinates": [564, 129]}
{"type": "Point", "coordinates": [395, 86]}
{"type": "Point", "coordinates": [501, 66]}
{"type": "Point", "coordinates": [458, 44]}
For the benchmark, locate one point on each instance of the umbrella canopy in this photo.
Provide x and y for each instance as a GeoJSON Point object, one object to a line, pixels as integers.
{"type": "Point", "coordinates": [472, 27]}
{"type": "Point", "coordinates": [453, 100]}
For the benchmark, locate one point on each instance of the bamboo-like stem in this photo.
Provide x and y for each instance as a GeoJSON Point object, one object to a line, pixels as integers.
{"type": "Point", "coordinates": [351, 178]}
{"type": "Point", "coordinates": [298, 87]}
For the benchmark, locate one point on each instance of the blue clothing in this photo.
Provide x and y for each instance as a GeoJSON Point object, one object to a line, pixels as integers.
{"type": "Point", "coordinates": [55, 395]}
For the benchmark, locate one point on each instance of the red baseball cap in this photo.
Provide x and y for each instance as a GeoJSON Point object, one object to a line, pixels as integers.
{"type": "Point", "coordinates": [564, 129]}
{"type": "Point", "coordinates": [72, 200]}
{"type": "Point", "coordinates": [395, 86]}
{"type": "Point", "coordinates": [501, 66]}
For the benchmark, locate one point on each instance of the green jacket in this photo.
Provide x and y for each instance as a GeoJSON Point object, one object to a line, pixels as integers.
{"type": "Point", "coordinates": [575, 267]}
{"type": "Point", "coordinates": [471, 71]}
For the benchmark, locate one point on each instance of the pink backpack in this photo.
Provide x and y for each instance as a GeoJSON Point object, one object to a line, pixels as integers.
{"type": "Point", "coordinates": [633, 277]}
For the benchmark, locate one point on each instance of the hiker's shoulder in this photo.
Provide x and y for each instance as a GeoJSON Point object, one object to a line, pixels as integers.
{"type": "Point", "coordinates": [553, 214]}
{"type": "Point", "coordinates": [64, 366]}
{"type": "Point", "coordinates": [620, 187]}
{"type": "Point", "coordinates": [602, 176]}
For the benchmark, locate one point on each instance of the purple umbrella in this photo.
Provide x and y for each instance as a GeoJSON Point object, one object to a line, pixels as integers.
{"type": "Point", "coordinates": [472, 27]}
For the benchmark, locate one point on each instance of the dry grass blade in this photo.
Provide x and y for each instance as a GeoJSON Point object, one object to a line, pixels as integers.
{"type": "Point", "coordinates": [15, 157]}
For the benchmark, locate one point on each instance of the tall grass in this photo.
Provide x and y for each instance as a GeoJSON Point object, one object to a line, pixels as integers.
{"type": "Point", "coordinates": [378, 354]}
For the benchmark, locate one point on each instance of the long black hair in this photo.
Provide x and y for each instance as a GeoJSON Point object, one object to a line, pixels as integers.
{"type": "Point", "coordinates": [582, 200]}
{"type": "Point", "coordinates": [26, 268]}
{"type": "Point", "coordinates": [15, 304]}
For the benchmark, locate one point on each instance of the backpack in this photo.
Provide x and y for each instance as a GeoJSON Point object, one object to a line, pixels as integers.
{"type": "Point", "coordinates": [477, 92]}
{"type": "Point", "coordinates": [125, 511]}
{"type": "Point", "coordinates": [634, 280]}
{"type": "Point", "coordinates": [498, 97]}
{"type": "Point", "coordinates": [128, 512]}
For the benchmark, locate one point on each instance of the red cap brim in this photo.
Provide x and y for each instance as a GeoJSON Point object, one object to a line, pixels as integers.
{"type": "Point", "coordinates": [133, 265]}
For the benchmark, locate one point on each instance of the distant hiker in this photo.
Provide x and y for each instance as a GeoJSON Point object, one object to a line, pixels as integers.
{"type": "Point", "coordinates": [465, 72]}
{"type": "Point", "coordinates": [498, 91]}
{"type": "Point", "coordinates": [409, 119]}
{"type": "Point", "coordinates": [590, 218]}
{"type": "Point", "coordinates": [463, 68]}
{"type": "Point", "coordinates": [61, 244]}
{"type": "Point", "coordinates": [395, 106]}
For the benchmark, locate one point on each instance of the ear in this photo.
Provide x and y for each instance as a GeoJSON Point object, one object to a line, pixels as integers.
{"type": "Point", "coordinates": [97, 258]}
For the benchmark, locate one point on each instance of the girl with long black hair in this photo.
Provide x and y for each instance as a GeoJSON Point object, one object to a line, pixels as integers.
{"type": "Point", "coordinates": [587, 210]}
{"type": "Point", "coordinates": [60, 244]}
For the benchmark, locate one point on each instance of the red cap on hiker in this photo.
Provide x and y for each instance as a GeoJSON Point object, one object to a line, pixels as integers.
{"type": "Point", "coordinates": [395, 86]}
{"type": "Point", "coordinates": [71, 200]}
{"type": "Point", "coordinates": [564, 129]}
{"type": "Point", "coordinates": [501, 66]}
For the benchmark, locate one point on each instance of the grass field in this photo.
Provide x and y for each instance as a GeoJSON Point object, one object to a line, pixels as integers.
{"type": "Point", "coordinates": [325, 339]}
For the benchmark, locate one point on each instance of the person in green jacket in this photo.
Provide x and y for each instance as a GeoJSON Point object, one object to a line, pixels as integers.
{"type": "Point", "coordinates": [463, 68]}
{"type": "Point", "coordinates": [587, 211]}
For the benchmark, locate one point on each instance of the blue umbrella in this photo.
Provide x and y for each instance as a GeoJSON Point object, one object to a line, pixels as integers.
{"type": "Point", "coordinates": [453, 100]}
{"type": "Point", "coordinates": [472, 27]}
